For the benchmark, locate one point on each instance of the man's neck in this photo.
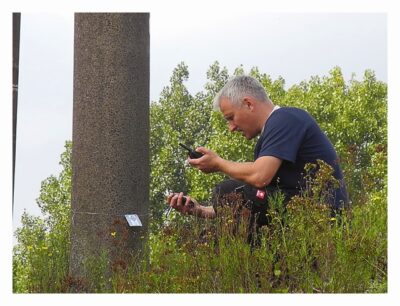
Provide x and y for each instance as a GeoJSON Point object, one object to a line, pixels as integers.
{"type": "Point", "coordinates": [270, 109]}
{"type": "Point", "coordinates": [267, 112]}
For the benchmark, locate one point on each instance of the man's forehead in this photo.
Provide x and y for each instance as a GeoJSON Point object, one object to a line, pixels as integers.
{"type": "Point", "coordinates": [226, 108]}
{"type": "Point", "coordinates": [226, 105]}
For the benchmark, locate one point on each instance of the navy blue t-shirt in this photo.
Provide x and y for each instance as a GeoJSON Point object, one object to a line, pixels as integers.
{"type": "Point", "coordinates": [292, 135]}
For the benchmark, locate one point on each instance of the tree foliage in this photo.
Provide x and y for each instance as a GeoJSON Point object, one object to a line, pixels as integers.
{"type": "Point", "coordinates": [41, 257]}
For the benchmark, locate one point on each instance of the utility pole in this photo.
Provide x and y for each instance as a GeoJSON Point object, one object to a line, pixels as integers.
{"type": "Point", "coordinates": [16, 39]}
{"type": "Point", "coordinates": [110, 153]}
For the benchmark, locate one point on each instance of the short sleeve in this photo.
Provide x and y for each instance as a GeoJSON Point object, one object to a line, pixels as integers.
{"type": "Point", "coordinates": [282, 136]}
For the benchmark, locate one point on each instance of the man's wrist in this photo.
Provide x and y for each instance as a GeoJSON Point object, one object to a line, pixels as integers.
{"type": "Point", "coordinates": [219, 164]}
{"type": "Point", "coordinates": [203, 211]}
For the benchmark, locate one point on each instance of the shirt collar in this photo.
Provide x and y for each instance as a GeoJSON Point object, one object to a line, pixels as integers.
{"type": "Point", "coordinates": [274, 109]}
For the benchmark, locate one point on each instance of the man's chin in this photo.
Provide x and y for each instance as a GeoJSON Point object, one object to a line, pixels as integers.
{"type": "Point", "coordinates": [248, 137]}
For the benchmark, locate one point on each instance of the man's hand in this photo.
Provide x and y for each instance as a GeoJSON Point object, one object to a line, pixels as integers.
{"type": "Point", "coordinates": [190, 206]}
{"type": "Point", "coordinates": [208, 163]}
{"type": "Point", "coordinates": [176, 201]}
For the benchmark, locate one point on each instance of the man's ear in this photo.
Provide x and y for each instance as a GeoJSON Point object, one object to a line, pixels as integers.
{"type": "Point", "coordinates": [248, 102]}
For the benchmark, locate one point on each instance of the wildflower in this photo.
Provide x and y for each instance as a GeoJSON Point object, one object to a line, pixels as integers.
{"type": "Point", "coordinates": [113, 234]}
{"type": "Point", "coordinates": [332, 219]}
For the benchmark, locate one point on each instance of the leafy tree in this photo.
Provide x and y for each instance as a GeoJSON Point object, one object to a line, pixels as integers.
{"type": "Point", "coordinates": [41, 257]}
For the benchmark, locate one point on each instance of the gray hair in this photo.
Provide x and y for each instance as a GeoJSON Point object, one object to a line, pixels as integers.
{"type": "Point", "coordinates": [238, 87]}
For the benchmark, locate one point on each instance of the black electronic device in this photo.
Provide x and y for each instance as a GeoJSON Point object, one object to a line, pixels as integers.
{"type": "Point", "coordinates": [192, 153]}
{"type": "Point", "coordinates": [184, 199]}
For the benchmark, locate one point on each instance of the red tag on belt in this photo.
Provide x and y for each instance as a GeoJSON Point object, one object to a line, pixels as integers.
{"type": "Point", "coordinates": [260, 194]}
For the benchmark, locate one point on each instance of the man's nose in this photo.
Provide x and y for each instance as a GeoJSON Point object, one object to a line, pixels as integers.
{"type": "Point", "coordinates": [232, 127]}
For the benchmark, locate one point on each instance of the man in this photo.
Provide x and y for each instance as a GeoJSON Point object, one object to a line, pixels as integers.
{"type": "Point", "coordinates": [289, 139]}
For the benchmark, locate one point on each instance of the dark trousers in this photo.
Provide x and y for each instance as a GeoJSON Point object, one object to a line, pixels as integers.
{"type": "Point", "coordinates": [255, 199]}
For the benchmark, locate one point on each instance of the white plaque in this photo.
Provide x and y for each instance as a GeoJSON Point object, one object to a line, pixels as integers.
{"type": "Point", "coordinates": [133, 220]}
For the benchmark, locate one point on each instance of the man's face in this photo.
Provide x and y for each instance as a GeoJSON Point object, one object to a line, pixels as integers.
{"type": "Point", "coordinates": [239, 118]}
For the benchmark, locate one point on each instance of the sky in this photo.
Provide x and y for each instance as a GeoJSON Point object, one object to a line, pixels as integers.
{"type": "Point", "coordinates": [281, 41]}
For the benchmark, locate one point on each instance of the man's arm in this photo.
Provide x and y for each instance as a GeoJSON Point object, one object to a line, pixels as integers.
{"type": "Point", "coordinates": [258, 173]}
